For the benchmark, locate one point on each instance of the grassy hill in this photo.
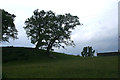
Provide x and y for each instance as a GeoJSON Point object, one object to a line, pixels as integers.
{"type": "Point", "coordinates": [33, 63]}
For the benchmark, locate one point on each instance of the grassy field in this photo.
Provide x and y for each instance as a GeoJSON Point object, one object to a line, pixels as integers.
{"type": "Point", "coordinates": [31, 63]}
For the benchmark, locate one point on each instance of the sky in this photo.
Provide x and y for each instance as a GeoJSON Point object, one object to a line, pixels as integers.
{"type": "Point", "coordinates": [99, 19]}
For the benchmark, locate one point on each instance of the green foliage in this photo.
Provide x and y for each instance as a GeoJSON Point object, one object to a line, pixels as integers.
{"type": "Point", "coordinates": [47, 30]}
{"type": "Point", "coordinates": [87, 51]}
{"type": "Point", "coordinates": [8, 26]}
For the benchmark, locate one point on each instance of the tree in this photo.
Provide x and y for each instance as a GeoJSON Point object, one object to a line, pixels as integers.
{"type": "Point", "coordinates": [87, 51]}
{"type": "Point", "coordinates": [8, 26]}
{"type": "Point", "coordinates": [47, 30]}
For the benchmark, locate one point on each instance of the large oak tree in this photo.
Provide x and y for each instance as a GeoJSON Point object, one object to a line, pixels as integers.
{"type": "Point", "coordinates": [8, 26]}
{"type": "Point", "coordinates": [47, 30]}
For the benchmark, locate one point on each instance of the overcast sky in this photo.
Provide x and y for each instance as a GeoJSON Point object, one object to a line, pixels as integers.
{"type": "Point", "coordinates": [99, 18]}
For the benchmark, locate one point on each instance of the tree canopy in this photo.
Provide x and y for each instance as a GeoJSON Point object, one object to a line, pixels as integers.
{"type": "Point", "coordinates": [8, 26]}
{"type": "Point", "coordinates": [47, 30]}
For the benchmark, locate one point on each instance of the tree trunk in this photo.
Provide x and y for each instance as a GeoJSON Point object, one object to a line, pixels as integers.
{"type": "Point", "coordinates": [49, 47]}
{"type": "Point", "coordinates": [37, 45]}
{"type": "Point", "coordinates": [49, 54]}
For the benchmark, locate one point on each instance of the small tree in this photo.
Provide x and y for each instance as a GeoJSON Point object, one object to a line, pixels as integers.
{"type": "Point", "coordinates": [8, 26]}
{"type": "Point", "coordinates": [47, 30]}
{"type": "Point", "coordinates": [87, 51]}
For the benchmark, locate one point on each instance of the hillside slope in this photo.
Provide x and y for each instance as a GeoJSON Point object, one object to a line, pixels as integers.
{"type": "Point", "coordinates": [32, 63]}
{"type": "Point", "coordinates": [26, 54]}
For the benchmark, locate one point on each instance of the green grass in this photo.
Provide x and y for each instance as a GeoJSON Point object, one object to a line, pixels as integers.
{"type": "Point", "coordinates": [38, 65]}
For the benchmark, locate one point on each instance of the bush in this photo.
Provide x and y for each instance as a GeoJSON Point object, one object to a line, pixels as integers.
{"type": "Point", "coordinates": [87, 51]}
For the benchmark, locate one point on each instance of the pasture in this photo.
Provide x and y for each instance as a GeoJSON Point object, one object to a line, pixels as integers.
{"type": "Point", "coordinates": [32, 63]}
